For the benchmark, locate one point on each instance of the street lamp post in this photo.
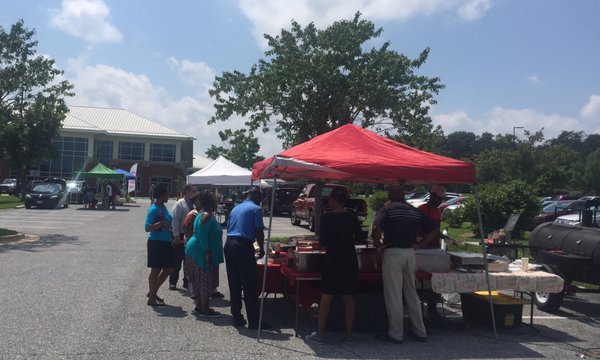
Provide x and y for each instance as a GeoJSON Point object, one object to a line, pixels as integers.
{"type": "Point", "coordinates": [516, 127]}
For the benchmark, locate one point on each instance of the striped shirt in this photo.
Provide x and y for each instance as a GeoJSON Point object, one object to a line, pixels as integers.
{"type": "Point", "coordinates": [400, 223]}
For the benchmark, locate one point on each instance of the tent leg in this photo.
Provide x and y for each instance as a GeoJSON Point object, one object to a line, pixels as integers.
{"type": "Point", "coordinates": [264, 279]}
{"type": "Point", "coordinates": [485, 262]}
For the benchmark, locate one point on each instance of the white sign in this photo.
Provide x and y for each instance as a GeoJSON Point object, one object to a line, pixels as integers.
{"type": "Point", "coordinates": [130, 186]}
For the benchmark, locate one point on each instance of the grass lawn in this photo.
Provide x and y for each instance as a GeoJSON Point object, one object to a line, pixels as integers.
{"type": "Point", "coordinates": [9, 202]}
{"type": "Point", "coordinates": [4, 232]}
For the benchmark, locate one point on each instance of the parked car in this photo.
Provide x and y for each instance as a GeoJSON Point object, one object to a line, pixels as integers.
{"type": "Point", "coordinates": [589, 197]}
{"type": "Point", "coordinates": [452, 204]}
{"type": "Point", "coordinates": [415, 195]}
{"type": "Point", "coordinates": [284, 197]}
{"type": "Point", "coordinates": [51, 194]}
{"type": "Point", "coordinates": [303, 208]}
{"type": "Point", "coordinates": [9, 186]}
{"type": "Point", "coordinates": [564, 197]}
{"type": "Point", "coordinates": [416, 202]}
{"type": "Point", "coordinates": [559, 208]}
{"type": "Point", "coordinates": [75, 190]}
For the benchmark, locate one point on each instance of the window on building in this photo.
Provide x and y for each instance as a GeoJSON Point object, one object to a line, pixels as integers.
{"type": "Point", "coordinates": [104, 151]}
{"type": "Point", "coordinates": [131, 151]}
{"type": "Point", "coordinates": [165, 180]}
{"type": "Point", "coordinates": [162, 152]}
{"type": "Point", "coordinates": [72, 155]}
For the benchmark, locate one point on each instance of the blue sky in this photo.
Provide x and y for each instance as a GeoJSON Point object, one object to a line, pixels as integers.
{"type": "Point", "coordinates": [505, 63]}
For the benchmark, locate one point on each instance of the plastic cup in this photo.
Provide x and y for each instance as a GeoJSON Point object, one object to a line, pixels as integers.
{"type": "Point", "coordinates": [525, 264]}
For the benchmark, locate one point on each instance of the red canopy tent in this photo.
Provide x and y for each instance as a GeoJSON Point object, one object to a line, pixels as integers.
{"type": "Point", "coordinates": [356, 154]}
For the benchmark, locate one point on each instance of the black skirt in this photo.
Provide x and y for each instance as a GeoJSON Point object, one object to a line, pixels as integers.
{"type": "Point", "coordinates": [160, 254]}
{"type": "Point", "coordinates": [340, 275]}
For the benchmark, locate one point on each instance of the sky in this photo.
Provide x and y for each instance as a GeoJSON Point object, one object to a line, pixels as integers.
{"type": "Point", "coordinates": [506, 64]}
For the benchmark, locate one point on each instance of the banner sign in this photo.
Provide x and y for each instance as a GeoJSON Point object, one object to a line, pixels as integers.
{"type": "Point", "coordinates": [130, 186]}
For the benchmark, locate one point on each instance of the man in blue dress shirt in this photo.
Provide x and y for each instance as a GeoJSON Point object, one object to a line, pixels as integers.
{"type": "Point", "coordinates": [245, 225]}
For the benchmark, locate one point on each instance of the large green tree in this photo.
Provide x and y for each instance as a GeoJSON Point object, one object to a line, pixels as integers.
{"type": "Point", "coordinates": [312, 81]}
{"type": "Point", "coordinates": [592, 171]}
{"type": "Point", "coordinates": [32, 105]}
{"type": "Point", "coordinates": [240, 148]}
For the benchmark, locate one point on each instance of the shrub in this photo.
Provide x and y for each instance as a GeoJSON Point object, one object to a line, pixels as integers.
{"type": "Point", "coordinates": [498, 202]}
{"type": "Point", "coordinates": [453, 218]}
{"type": "Point", "coordinates": [377, 200]}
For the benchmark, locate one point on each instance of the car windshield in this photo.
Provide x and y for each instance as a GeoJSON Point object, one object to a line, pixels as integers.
{"type": "Point", "coordinates": [415, 195]}
{"type": "Point", "coordinates": [557, 206]}
{"type": "Point", "coordinates": [71, 186]}
{"type": "Point", "coordinates": [454, 200]}
{"type": "Point", "coordinates": [9, 181]}
{"type": "Point", "coordinates": [47, 188]}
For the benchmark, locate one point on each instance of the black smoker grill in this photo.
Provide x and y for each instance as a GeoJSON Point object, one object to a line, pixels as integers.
{"type": "Point", "coordinates": [570, 251]}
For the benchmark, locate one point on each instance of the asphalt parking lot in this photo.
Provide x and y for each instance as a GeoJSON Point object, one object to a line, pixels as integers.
{"type": "Point", "coordinates": [79, 292]}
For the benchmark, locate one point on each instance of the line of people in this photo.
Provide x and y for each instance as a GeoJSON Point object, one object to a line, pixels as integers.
{"type": "Point", "coordinates": [197, 238]}
{"type": "Point", "coordinates": [192, 235]}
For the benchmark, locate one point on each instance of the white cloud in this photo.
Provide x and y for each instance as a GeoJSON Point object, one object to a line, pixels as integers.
{"type": "Point", "coordinates": [534, 80]}
{"type": "Point", "coordinates": [86, 19]}
{"type": "Point", "coordinates": [502, 120]}
{"type": "Point", "coordinates": [474, 9]}
{"type": "Point", "coordinates": [591, 110]}
{"type": "Point", "coordinates": [107, 86]}
{"type": "Point", "coordinates": [192, 73]}
{"type": "Point", "coordinates": [270, 16]}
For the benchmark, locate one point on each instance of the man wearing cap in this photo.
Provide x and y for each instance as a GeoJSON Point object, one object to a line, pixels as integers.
{"type": "Point", "coordinates": [437, 194]}
{"type": "Point", "coordinates": [245, 225]}
{"type": "Point", "coordinates": [400, 223]}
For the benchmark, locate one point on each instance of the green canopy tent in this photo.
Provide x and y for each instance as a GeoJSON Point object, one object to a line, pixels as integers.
{"type": "Point", "coordinates": [100, 172]}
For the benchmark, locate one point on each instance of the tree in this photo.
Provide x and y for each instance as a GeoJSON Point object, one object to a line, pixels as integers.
{"type": "Point", "coordinates": [241, 148]}
{"type": "Point", "coordinates": [32, 105]}
{"type": "Point", "coordinates": [592, 171]}
{"type": "Point", "coordinates": [498, 202]}
{"type": "Point", "coordinates": [313, 81]}
{"type": "Point", "coordinates": [460, 144]}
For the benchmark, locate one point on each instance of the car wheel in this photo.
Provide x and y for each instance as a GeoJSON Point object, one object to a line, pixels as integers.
{"type": "Point", "coordinates": [294, 219]}
{"type": "Point", "coordinates": [311, 221]}
{"type": "Point", "coordinates": [27, 206]}
{"type": "Point", "coordinates": [549, 302]}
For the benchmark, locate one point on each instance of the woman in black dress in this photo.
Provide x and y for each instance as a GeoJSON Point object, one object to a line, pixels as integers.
{"type": "Point", "coordinates": [340, 230]}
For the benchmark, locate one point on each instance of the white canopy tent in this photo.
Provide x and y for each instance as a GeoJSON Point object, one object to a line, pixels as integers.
{"type": "Point", "coordinates": [221, 172]}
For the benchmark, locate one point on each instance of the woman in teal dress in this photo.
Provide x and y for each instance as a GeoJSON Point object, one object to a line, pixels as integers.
{"type": "Point", "coordinates": [205, 250]}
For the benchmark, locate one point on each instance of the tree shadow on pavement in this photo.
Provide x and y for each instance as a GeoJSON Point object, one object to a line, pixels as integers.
{"type": "Point", "coordinates": [45, 242]}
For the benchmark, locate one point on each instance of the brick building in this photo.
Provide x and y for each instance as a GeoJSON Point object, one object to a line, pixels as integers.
{"type": "Point", "coordinates": [118, 139]}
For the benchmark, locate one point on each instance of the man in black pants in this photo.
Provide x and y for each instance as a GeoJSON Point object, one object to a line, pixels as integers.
{"type": "Point", "coordinates": [245, 225]}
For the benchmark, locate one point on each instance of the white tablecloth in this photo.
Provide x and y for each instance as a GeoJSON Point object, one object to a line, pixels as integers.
{"type": "Point", "coordinates": [519, 281]}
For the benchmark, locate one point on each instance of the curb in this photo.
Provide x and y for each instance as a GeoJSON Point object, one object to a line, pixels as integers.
{"type": "Point", "coordinates": [18, 238]}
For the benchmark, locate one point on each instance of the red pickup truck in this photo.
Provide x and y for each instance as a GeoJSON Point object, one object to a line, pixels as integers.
{"type": "Point", "coordinates": [304, 207]}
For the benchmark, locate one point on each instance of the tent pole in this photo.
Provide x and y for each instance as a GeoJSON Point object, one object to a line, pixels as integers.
{"type": "Point", "coordinates": [266, 265]}
{"type": "Point", "coordinates": [485, 262]}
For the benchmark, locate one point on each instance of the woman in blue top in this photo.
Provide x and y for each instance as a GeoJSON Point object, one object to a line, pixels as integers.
{"type": "Point", "coordinates": [205, 252]}
{"type": "Point", "coordinates": [160, 248]}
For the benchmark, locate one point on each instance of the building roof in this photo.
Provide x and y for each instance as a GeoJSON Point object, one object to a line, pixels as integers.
{"type": "Point", "coordinates": [116, 122]}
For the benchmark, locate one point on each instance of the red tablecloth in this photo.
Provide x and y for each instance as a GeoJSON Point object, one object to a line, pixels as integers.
{"type": "Point", "coordinates": [275, 279]}
{"type": "Point", "coordinates": [310, 284]}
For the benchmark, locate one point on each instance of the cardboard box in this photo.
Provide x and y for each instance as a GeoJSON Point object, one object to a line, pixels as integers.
{"type": "Point", "coordinates": [508, 311]}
